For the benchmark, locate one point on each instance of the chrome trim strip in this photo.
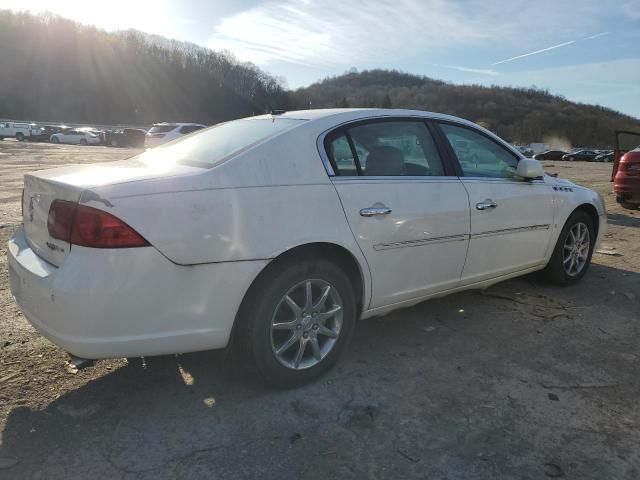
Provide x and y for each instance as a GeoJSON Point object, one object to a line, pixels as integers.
{"type": "Point", "coordinates": [510, 230]}
{"type": "Point", "coordinates": [423, 241]}
{"type": "Point", "coordinates": [457, 238]}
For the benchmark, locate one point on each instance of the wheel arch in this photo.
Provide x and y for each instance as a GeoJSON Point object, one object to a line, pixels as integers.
{"type": "Point", "coordinates": [333, 252]}
{"type": "Point", "coordinates": [590, 210]}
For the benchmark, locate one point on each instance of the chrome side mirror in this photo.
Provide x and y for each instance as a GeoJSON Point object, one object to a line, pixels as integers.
{"type": "Point", "coordinates": [529, 168]}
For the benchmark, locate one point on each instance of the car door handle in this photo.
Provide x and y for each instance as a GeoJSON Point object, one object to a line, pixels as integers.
{"type": "Point", "coordinates": [486, 205]}
{"type": "Point", "coordinates": [373, 211]}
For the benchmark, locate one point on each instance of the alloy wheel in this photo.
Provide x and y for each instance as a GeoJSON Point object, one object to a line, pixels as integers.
{"type": "Point", "coordinates": [576, 249]}
{"type": "Point", "coordinates": [306, 324]}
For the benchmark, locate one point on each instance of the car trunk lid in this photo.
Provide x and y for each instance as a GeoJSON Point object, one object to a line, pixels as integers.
{"type": "Point", "coordinates": [77, 183]}
{"type": "Point", "coordinates": [39, 193]}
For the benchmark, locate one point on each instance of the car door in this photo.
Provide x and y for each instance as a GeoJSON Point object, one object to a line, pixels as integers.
{"type": "Point", "coordinates": [511, 218]}
{"type": "Point", "coordinates": [408, 211]}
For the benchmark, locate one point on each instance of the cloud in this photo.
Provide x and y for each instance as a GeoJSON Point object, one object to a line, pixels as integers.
{"type": "Point", "coordinates": [460, 68]}
{"type": "Point", "coordinates": [333, 32]}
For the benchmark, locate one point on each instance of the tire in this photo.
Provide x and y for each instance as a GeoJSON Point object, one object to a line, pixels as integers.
{"type": "Point", "coordinates": [83, 142]}
{"type": "Point", "coordinates": [20, 136]}
{"type": "Point", "coordinates": [559, 270]}
{"type": "Point", "coordinates": [259, 344]}
{"type": "Point", "coordinates": [55, 140]}
{"type": "Point", "coordinates": [629, 206]}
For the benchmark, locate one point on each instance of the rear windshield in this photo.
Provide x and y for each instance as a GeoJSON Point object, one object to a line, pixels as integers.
{"type": "Point", "coordinates": [162, 128]}
{"type": "Point", "coordinates": [209, 146]}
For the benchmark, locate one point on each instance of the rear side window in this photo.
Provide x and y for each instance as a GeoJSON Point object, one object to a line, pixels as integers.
{"type": "Point", "coordinates": [212, 145]}
{"type": "Point", "coordinates": [190, 128]}
{"type": "Point", "coordinates": [386, 148]}
{"type": "Point", "coordinates": [478, 155]}
{"type": "Point", "coordinates": [161, 128]}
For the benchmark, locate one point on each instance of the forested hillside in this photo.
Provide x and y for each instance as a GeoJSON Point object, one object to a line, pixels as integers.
{"type": "Point", "coordinates": [56, 70]}
{"type": "Point", "coordinates": [53, 69]}
{"type": "Point", "coordinates": [518, 114]}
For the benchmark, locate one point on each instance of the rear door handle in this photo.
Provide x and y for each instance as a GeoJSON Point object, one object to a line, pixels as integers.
{"type": "Point", "coordinates": [373, 211]}
{"type": "Point", "coordinates": [486, 205]}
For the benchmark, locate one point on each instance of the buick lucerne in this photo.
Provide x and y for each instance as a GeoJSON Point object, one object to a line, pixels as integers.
{"type": "Point", "coordinates": [274, 234]}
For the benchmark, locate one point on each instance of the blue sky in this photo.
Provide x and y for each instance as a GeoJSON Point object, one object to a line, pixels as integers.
{"type": "Point", "coordinates": [588, 51]}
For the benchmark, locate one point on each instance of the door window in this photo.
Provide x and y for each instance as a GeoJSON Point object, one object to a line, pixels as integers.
{"type": "Point", "coordinates": [478, 155]}
{"type": "Point", "coordinates": [390, 148]}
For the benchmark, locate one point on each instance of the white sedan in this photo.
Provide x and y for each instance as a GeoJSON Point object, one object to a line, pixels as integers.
{"type": "Point", "coordinates": [76, 137]}
{"type": "Point", "coordinates": [276, 233]}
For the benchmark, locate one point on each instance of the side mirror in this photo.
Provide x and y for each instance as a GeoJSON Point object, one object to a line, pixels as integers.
{"type": "Point", "coordinates": [529, 168]}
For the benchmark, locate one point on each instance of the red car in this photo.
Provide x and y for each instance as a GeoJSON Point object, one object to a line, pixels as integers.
{"type": "Point", "coordinates": [626, 169]}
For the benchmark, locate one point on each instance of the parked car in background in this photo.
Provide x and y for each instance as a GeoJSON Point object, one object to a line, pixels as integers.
{"type": "Point", "coordinates": [276, 233]}
{"type": "Point", "coordinates": [165, 132]}
{"type": "Point", "coordinates": [76, 137]}
{"type": "Point", "coordinates": [550, 155]}
{"type": "Point", "coordinates": [125, 137]}
{"type": "Point", "coordinates": [626, 169]}
{"type": "Point", "coordinates": [580, 155]}
{"type": "Point", "coordinates": [604, 156]}
{"type": "Point", "coordinates": [19, 131]}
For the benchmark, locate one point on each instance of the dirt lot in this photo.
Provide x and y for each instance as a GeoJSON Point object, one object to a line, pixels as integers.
{"type": "Point", "coordinates": [523, 380]}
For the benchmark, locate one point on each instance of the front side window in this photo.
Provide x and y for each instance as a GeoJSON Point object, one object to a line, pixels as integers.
{"type": "Point", "coordinates": [478, 155]}
{"type": "Point", "coordinates": [387, 148]}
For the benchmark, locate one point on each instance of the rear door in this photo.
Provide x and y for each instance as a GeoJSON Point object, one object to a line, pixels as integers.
{"type": "Point", "coordinates": [510, 218]}
{"type": "Point", "coordinates": [409, 213]}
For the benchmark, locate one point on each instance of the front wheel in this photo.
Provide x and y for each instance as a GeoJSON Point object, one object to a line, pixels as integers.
{"type": "Point", "coordinates": [572, 255]}
{"type": "Point", "coordinates": [297, 321]}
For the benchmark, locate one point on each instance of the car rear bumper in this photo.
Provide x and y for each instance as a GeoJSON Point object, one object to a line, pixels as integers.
{"type": "Point", "coordinates": [127, 302]}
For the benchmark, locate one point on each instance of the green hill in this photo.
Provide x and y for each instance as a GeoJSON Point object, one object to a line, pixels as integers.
{"type": "Point", "coordinates": [518, 114]}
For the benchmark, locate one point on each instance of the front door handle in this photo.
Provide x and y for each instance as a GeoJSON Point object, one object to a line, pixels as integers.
{"type": "Point", "coordinates": [486, 205]}
{"type": "Point", "coordinates": [373, 211]}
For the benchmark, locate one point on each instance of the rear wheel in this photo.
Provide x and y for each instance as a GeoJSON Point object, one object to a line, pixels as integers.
{"type": "Point", "coordinates": [55, 140]}
{"type": "Point", "coordinates": [572, 255]}
{"type": "Point", "coordinates": [296, 321]}
{"type": "Point", "coordinates": [20, 136]}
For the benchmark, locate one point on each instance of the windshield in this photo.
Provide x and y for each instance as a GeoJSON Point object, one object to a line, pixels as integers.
{"type": "Point", "coordinates": [212, 145]}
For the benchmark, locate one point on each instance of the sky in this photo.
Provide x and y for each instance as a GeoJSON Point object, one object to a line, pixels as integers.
{"type": "Point", "coordinates": [586, 50]}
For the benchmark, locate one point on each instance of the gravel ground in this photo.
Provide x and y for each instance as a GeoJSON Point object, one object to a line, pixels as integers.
{"type": "Point", "coordinates": [523, 380]}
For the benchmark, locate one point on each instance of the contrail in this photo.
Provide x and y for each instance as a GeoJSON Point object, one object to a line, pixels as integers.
{"type": "Point", "coordinates": [534, 53]}
{"type": "Point", "coordinates": [596, 36]}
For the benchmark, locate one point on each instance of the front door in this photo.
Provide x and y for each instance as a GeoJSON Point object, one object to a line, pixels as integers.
{"type": "Point", "coordinates": [511, 218]}
{"type": "Point", "coordinates": [409, 216]}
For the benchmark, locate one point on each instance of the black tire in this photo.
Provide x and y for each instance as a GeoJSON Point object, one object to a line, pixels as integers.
{"type": "Point", "coordinates": [253, 336]}
{"type": "Point", "coordinates": [20, 136]}
{"type": "Point", "coordinates": [83, 142]}
{"type": "Point", "coordinates": [629, 206]}
{"type": "Point", "coordinates": [55, 140]}
{"type": "Point", "coordinates": [555, 271]}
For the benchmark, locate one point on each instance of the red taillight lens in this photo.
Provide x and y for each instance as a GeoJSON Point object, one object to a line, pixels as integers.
{"type": "Point", "coordinates": [60, 219]}
{"type": "Point", "coordinates": [90, 227]}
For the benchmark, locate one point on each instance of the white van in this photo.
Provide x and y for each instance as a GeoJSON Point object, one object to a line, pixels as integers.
{"type": "Point", "coordinates": [19, 131]}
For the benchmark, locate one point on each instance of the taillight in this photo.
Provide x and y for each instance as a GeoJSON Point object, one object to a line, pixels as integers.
{"type": "Point", "coordinates": [89, 227]}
